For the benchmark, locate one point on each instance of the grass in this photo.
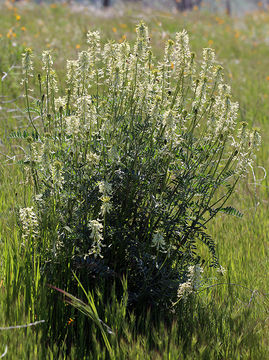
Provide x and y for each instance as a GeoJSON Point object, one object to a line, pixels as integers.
{"type": "Point", "coordinates": [226, 321]}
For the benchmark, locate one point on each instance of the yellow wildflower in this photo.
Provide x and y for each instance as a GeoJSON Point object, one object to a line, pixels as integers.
{"type": "Point", "coordinates": [9, 34]}
{"type": "Point", "coordinates": [219, 20]}
{"type": "Point", "coordinates": [122, 38]}
{"type": "Point", "coordinates": [70, 321]}
{"type": "Point", "coordinates": [237, 34]}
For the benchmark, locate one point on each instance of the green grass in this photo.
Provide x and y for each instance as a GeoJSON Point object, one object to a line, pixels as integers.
{"type": "Point", "coordinates": [225, 322]}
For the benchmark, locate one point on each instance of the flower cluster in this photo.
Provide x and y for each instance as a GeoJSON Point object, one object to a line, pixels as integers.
{"type": "Point", "coordinates": [27, 64]}
{"type": "Point", "coordinates": [29, 223]}
{"type": "Point", "coordinates": [192, 284]}
{"type": "Point", "coordinates": [246, 145]}
{"type": "Point", "coordinates": [97, 237]}
{"type": "Point", "coordinates": [158, 241]}
{"type": "Point", "coordinates": [106, 190]}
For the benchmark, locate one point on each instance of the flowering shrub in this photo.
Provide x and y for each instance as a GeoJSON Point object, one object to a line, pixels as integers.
{"type": "Point", "coordinates": [132, 162]}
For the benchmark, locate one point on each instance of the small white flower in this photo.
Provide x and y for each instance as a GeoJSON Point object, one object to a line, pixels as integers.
{"type": "Point", "coordinates": [97, 236]}
{"type": "Point", "coordinates": [208, 62]}
{"type": "Point", "coordinates": [56, 175]}
{"type": "Point", "coordinates": [72, 68]}
{"type": "Point", "coordinates": [47, 61]}
{"type": "Point", "coordinates": [221, 270]}
{"type": "Point", "coordinates": [72, 125]}
{"type": "Point", "coordinates": [105, 188]}
{"type": "Point", "coordinates": [192, 284]}
{"type": "Point", "coordinates": [37, 152]}
{"type": "Point", "coordinates": [39, 197]}
{"type": "Point", "coordinates": [92, 158]}
{"type": "Point", "coordinates": [29, 223]}
{"type": "Point", "coordinates": [106, 206]}
{"type": "Point", "coordinates": [86, 113]}
{"type": "Point", "coordinates": [184, 290]}
{"type": "Point", "coordinates": [60, 102]}
{"type": "Point", "coordinates": [83, 64]}
{"type": "Point", "coordinates": [27, 63]}
{"type": "Point", "coordinates": [182, 51]}
{"type": "Point", "coordinates": [93, 39]}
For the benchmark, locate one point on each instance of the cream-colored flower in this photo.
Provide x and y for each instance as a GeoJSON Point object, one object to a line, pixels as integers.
{"type": "Point", "coordinates": [27, 62]}
{"type": "Point", "coordinates": [47, 61]}
{"type": "Point", "coordinates": [208, 63]}
{"type": "Point", "coordinates": [192, 284]}
{"type": "Point", "coordinates": [97, 236]}
{"type": "Point", "coordinates": [105, 188]}
{"type": "Point", "coordinates": [106, 206]}
{"type": "Point", "coordinates": [182, 54]}
{"type": "Point", "coordinates": [72, 125]}
{"type": "Point", "coordinates": [29, 222]}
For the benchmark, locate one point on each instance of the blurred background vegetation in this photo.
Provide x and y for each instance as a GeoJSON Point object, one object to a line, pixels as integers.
{"type": "Point", "coordinates": [228, 6]}
{"type": "Point", "coordinates": [224, 322]}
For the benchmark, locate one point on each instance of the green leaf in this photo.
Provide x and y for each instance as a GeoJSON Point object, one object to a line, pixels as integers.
{"type": "Point", "coordinates": [229, 210]}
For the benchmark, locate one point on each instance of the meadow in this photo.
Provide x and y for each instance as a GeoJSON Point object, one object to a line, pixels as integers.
{"type": "Point", "coordinates": [228, 318]}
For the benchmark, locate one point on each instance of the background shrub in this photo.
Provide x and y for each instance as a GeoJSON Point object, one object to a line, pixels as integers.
{"type": "Point", "coordinates": [130, 164]}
